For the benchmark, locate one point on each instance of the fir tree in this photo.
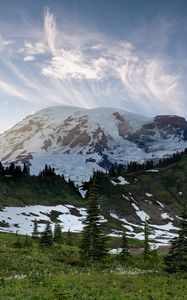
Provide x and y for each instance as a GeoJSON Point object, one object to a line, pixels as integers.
{"type": "Point", "coordinates": [35, 230]}
{"type": "Point", "coordinates": [46, 238]}
{"type": "Point", "coordinates": [57, 233]}
{"type": "Point", "coordinates": [26, 169]}
{"type": "Point", "coordinates": [125, 247]}
{"type": "Point", "coordinates": [146, 251]}
{"type": "Point", "coordinates": [93, 242]}
{"type": "Point", "coordinates": [176, 260]}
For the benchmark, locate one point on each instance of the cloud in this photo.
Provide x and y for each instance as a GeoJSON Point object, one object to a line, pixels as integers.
{"type": "Point", "coordinates": [29, 58]}
{"type": "Point", "coordinates": [85, 68]}
{"type": "Point", "coordinates": [4, 43]}
{"type": "Point", "coordinates": [32, 50]}
{"type": "Point", "coordinates": [47, 43]}
{"type": "Point", "coordinates": [50, 30]}
{"type": "Point", "coordinates": [11, 90]}
{"type": "Point", "coordinates": [145, 79]}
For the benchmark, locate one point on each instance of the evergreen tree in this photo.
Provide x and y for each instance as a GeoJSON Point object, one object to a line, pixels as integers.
{"type": "Point", "coordinates": [57, 233]}
{"type": "Point", "coordinates": [26, 169]}
{"type": "Point", "coordinates": [2, 170]}
{"type": "Point", "coordinates": [35, 230]}
{"type": "Point", "coordinates": [93, 246]}
{"type": "Point", "coordinates": [146, 251]}
{"type": "Point", "coordinates": [47, 171]}
{"type": "Point", "coordinates": [46, 238]}
{"type": "Point", "coordinates": [125, 247]}
{"type": "Point", "coordinates": [176, 260]}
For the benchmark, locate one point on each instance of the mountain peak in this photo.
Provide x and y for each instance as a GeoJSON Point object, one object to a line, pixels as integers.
{"type": "Point", "coordinates": [76, 140]}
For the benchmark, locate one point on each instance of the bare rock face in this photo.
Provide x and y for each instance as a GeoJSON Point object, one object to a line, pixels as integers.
{"type": "Point", "coordinates": [75, 140]}
{"type": "Point", "coordinates": [161, 130]}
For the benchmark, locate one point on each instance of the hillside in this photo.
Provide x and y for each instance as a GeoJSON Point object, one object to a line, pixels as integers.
{"type": "Point", "coordinates": [126, 200]}
{"type": "Point", "coordinates": [157, 195]}
{"type": "Point", "coordinates": [35, 190]}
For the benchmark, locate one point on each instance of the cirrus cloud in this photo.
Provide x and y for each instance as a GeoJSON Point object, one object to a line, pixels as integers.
{"type": "Point", "coordinates": [88, 69]}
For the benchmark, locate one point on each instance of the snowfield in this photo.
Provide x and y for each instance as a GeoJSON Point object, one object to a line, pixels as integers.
{"type": "Point", "coordinates": [161, 234]}
{"type": "Point", "coordinates": [21, 219]}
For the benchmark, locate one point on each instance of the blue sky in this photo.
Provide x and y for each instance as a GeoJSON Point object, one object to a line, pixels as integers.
{"type": "Point", "coordinates": [129, 54]}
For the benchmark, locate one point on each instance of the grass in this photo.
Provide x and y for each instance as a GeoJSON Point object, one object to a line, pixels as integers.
{"type": "Point", "coordinates": [96, 286]}
{"type": "Point", "coordinates": [58, 273]}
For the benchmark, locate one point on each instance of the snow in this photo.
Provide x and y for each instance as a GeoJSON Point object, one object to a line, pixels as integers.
{"type": "Point", "coordinates": [166, 216]}
{"type": "Point", "coordinates": [167, 227]}
{"type": "Point", "coordinates": [21, 218]}
{"type": "Point", "coordinates": [160, 204]}
{"type": "Point", "coordinates": [149, 195]}
{"type": "Point", "coordinates": [140, 213]}
{"type": "Point", "coordinates": [115, 251]}
{"type": "Point", "coordinates": [121, 181]}
{"type": "Point", "coordinates": [130, 228]}
{"type": "Point", "coordinates": [115, 233]}
{"type": "Point", "coordinates": [25, 216]}
{"type": "Point", "coordinates": [113, 182]}
{"type": "Point", "coordinates": [160, 234]}
{"type": "Point", "coordinates": [54, 124]}
{"type": "Point", "coordinates": [153, 171]}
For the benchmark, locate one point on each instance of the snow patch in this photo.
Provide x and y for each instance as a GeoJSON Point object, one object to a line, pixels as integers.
{"type": "Point", "coordinates": [166, 216]}
{"type": "Point", "coordinates": [140, 213]}
{"type": "Point", "coordinates": [160, 234]}
{"type": "Point", "coordinates": [21, 218]}
{"type": "Point", "coordinates": [152, 171]}
{"type": "Point", "coordinates": [149, 195]}
{"type": "Point", "coordinates": [121, 181]}
{"type": "Point", "coordinates": [160, 204]}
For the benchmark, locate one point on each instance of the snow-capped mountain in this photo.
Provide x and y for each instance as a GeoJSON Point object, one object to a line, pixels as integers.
{"type": "Point", "coordinates": [76, 140]}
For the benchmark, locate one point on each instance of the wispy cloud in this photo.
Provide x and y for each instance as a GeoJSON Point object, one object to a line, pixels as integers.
{"type": "Point", "coordinates": [145, 80]}
{"type": "Point", "coordinates": [4, 43]}
{"type": "Point", "coordinates": [90, 69]}
{"type": "Point", "coordinates": [10, 90]}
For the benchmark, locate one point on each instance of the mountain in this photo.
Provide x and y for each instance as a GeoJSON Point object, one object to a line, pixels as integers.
{"type": "Point", "coordinates": [76, 140]}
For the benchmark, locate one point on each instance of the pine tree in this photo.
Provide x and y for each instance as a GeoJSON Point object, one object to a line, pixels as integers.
{"type": "Point", "coordinates": [176, 260]}
{"type": "Point", "coordinates": [35, 230]}
{"type": "Point", "coordinates": [93, 246]}
{"type": "Point", "coordinates": [46, 238]}
{"type": "Point", "coordinates": [26, 169]}
{"type": "Point", "coordinates": [57, 233]}
{"type": "Point", "coordinates": [146, 251]}
{"type": "Point", "coordinates": [125, 247]}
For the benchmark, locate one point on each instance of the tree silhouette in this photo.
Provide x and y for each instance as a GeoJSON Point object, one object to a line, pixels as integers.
{"type": "Point", "coordinates": [93, 246]}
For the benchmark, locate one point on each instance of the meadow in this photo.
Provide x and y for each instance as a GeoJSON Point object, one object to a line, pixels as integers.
{"type": "Point", "coordinates": [29, 271]}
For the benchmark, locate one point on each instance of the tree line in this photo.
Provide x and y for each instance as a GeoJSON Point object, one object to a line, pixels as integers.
{"type": "Point", "coordinates": [133, 166]}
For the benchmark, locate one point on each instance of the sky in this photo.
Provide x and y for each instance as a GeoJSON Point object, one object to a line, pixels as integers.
{"type": "Point", "coordinates": [128, 54]}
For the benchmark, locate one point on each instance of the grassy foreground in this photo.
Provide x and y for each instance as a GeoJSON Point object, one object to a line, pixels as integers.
{"type": "Point", "coordinates": [33, 273]}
